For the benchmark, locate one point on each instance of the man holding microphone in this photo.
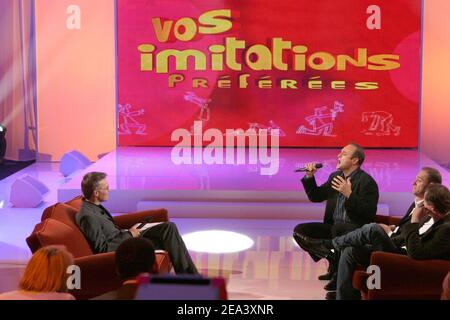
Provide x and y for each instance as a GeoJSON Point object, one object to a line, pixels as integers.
{"type": "Point", "coordinates": [351, 197]}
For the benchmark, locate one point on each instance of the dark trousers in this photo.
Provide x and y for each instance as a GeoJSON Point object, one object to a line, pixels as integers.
{"type": "Point", "coordinates": [165, 236]}
{"type": "Point", "coordinates": [318, 230]}
{"type": "Point", "coordinates": [356, 248]}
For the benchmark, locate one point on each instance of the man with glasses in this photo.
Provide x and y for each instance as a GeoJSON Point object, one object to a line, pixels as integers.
{"type": "Point", "coordinates": [103, 235]}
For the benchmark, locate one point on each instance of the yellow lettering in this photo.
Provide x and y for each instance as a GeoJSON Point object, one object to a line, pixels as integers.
{"type": "Point", "coordinates": [243, 80]}
{"type": "Point", "coordinates": [217, 57]}
{"type": "Point", "coordinates": [263, 60]}
{"type": "Point", "coordinates": [265, 83]}
{"type": "Point", "coordinates": [199, 83]}
{"type": "Point", "coordinates": [343, 59]}
{"type": "Point", "coordinates": [181, 60]}
{"type": "Point", "coordinates": [381, 62]}
{"type": "Point", "coordinates": [278, 46]}
{"type": "Point", "coordinates": [366, 86]}
{"type": "Point", "coordinates": [215, 21]}
{"type": "Point", "coordinates": [315, 84]}
{"type": "Point", "coordinates": [338, 85]}
{"type": "Point", "coordinates": [146, 56]}
{"type": "Point", "coordinates": [232, 45]}
{"type": "Point", "coordinates": [299, 57]}
{"type": "Point", "coordinates": [190, 29]}
{"type": "Point", "coordinates": [224, 82]}
{"type": "Point", "coordinates": [162, 30]}
{"type": "Point", "coordinates": [327, 61]}
{"type": "Point", "coordinates": [288, 84]}
{"type": "Point", "coordinates": [174, 79]}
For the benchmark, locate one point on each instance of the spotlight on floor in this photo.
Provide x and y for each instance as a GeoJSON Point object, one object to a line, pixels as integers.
{"type": "Point", "coordinates": [217, 241]}
{"type": "Point", "coordinates": [2, 142]}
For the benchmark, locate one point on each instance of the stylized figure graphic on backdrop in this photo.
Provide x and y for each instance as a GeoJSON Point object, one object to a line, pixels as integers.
{"type": "Point", "coordinates": [205, 111]}
{"type": "Point", "coordinates": [379, 123]}
{"type": "Point", "coordinates": [322, 123]}
{"type": "Point", "coordinates": [128, 123]}
{"type": "Point", "coordinates": [270, 128]}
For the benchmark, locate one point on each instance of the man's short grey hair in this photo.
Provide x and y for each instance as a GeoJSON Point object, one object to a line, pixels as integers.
{"type": "Point", "coordinates": [91, 182]}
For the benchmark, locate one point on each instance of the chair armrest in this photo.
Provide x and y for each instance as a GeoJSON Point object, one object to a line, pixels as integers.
{"type": "Point", "coordinates": [126, 221]}
{"type": "Point", "coordinates": [98, 275]}
{"type": "Point", "coordinates": [387, 220]}
{"type": "Point", "coordinates": [406, 278]}
{"type": "Point", "coordinates": [394, 220]}
{"type": "Point", "coordinates": [382, 219]}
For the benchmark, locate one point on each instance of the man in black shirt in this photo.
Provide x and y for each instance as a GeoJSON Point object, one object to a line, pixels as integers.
{"type": "Point", "coordinates": [351, 201]}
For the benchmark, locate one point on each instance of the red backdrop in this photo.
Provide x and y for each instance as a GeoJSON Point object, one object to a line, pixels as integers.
{"type": "Point", "coordinates": [149, 111]}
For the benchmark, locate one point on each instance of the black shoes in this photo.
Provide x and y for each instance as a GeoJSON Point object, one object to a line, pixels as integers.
{"type": "Point", "coordinates": [331, 295]}
{"type": "Point", "coordinates": [327, 276]}
{"type": "Point", "coordinates": [331, 270]}
{"type": "Point", "coordinates": [331, 286]}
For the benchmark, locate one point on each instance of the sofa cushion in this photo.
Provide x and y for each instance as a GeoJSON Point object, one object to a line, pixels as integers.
{"type": "Point", "coordinates": [54, 232]}
{"type": "Point", "coordinates": [61, 212]}
{"type": "Point", "coordinates": [76, 202]}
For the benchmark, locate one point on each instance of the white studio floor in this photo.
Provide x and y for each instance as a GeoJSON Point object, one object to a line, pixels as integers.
{"type": "Point", "coordinates": [271, 266]}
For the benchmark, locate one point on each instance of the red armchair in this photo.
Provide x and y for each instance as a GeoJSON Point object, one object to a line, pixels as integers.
{"type": "Point", "coordinates": [446, 288]}
{"type": "Point", "coordinates": [98, 272]}
{"type": "Point", "coordinates": [401, 276]}
{"type": "Point", "coordinates": [387, 220]}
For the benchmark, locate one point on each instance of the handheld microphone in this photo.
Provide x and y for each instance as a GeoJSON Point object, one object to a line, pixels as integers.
{"type": "Point", "coordinates": [317, 166]}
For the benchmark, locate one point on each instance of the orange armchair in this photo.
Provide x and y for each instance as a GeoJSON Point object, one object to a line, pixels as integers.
{"type": "Point", "coordinates": [401, 276]}
{"type": "Point", "coordinates": [98, 272]}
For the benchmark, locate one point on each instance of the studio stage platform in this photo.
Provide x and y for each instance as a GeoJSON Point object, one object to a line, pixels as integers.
{"type": "Point", "coordinates": [143, 178]}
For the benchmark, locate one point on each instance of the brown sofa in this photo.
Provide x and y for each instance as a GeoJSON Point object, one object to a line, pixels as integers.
{"type": "Point", "coordinates": [401, 276]}
{"type": "Point", "coordinates": [98, 273]}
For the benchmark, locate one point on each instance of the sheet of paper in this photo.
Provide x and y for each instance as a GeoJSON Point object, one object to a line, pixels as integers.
{"type": "Point", "coordinates": [146, 226]}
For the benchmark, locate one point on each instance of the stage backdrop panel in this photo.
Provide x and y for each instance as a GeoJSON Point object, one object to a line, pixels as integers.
{"type": "Point", "coordinates": [322, 72]}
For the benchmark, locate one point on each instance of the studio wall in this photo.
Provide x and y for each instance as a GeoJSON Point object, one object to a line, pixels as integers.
{"type": "Point", "coordinates": [435, 117]}
{"type": "Point", "coordinates": [75, 77]}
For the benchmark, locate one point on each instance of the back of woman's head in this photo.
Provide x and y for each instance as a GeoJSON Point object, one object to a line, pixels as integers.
{"type": "Point", "coordinates": [47, 270]}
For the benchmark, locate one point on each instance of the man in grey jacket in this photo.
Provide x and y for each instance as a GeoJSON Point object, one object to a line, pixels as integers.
{"type": "Point", "coordinates": [103, 235]}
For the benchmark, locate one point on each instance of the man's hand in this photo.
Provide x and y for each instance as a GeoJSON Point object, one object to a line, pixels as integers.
{"type": "Point", "coordinates": [135, 232]}
{"type": "Point", "coordinates": [342, 185]}
{"type": "Point", "coordinates": [418, 214]}
{"type": "Point", "coordinates": [387, 228]}
{"type": "Point", "coordinates": [311, 169]}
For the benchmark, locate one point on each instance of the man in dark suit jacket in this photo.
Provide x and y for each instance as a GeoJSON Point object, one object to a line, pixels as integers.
{"type": "Point", "coordinates": [103, 235]}
{"type": "Point", "coordinates": [424, 178]}
{"type": "Point", "coordinates": [352, 197]}
{"type": "Point", "coordinates": [426, 236]}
